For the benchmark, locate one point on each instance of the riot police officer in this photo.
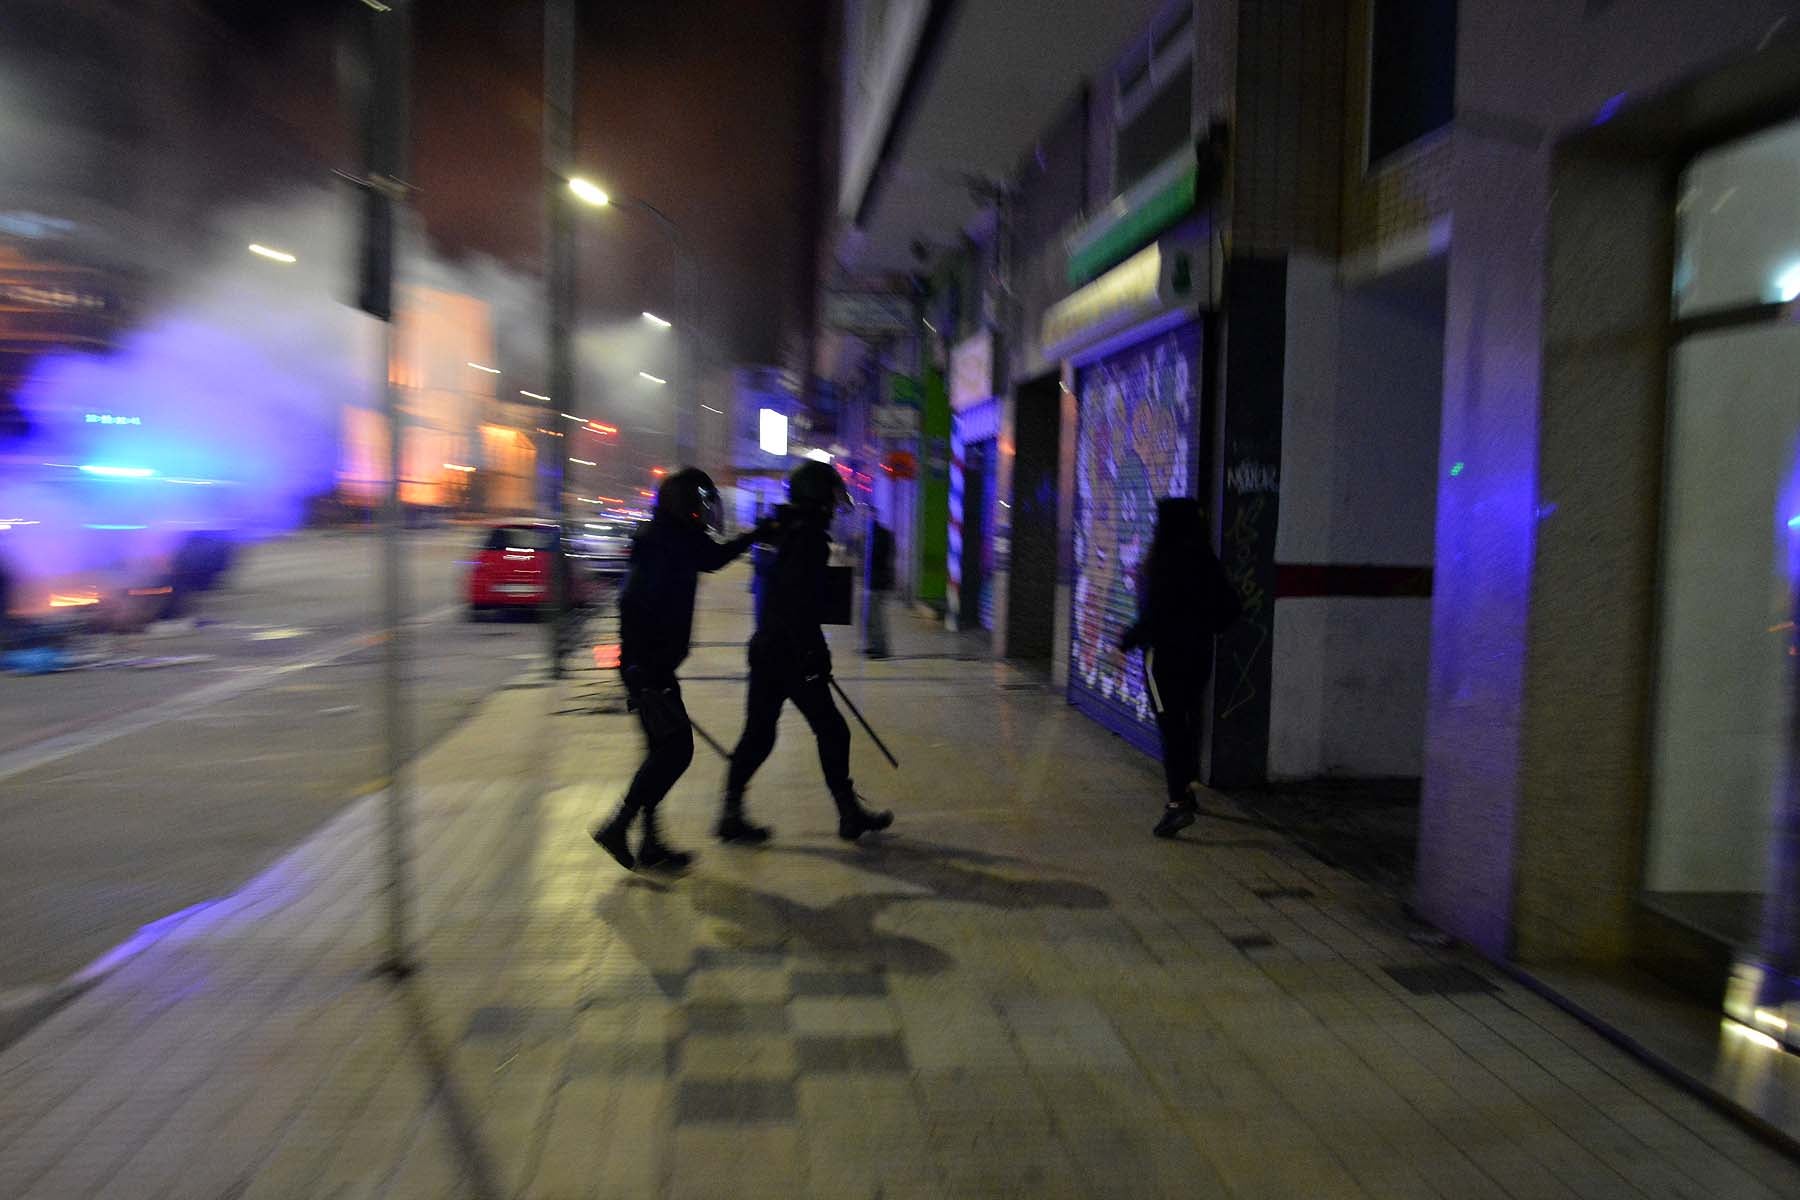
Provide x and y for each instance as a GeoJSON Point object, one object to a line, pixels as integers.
{"type": "Point", "coordinates": [656, 623]}
{"type": "Point", "coordinates": [789, 658]}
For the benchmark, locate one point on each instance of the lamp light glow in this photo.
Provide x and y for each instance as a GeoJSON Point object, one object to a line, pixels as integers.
{"type": "Point", "coordinates": [590, 192]}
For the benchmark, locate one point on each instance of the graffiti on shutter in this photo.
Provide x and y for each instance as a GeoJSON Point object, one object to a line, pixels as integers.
{"type": "Point", "coordinates": [1136, 444]}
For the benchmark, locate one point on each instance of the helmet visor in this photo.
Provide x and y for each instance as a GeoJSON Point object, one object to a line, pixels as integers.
{"type": "Point", "coordinates": [711, 509]}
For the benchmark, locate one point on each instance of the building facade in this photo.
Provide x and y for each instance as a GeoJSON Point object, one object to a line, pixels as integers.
{"type": "Point", "coordinates": [1213, 265]}
{"type": "Point", "coordinates": [1470, 326]}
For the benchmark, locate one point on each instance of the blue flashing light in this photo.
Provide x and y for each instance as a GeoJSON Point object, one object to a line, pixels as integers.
{"type": "Point", "coordinates": [1456, 470]}
{"type": "Point", "coordinates": [1794, 521]}
{"type": "Point", "coordinates": [106, 472]}
{"type": "Point", "coordinates": [115, 527]}
{"type": "Point", "coordinates": [1610, 109]}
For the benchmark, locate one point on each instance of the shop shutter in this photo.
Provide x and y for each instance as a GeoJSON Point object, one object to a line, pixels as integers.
{"type": "Point", "coordinates": [1138, 419]}
{"type": "Point", "coordinates": [990, 492]}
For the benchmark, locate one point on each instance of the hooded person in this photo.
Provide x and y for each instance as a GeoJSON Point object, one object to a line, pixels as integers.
{"type": "Point", "coordinates": [790, 660]}
{"type": "Point", "coordinates": [656, 624]}
{"type": "Point", "coordinates": [1184, 602]}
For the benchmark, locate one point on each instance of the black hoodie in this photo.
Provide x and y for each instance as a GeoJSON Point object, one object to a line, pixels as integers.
{"type": "Point", "coordinates": [1184, 597]}
{"type": "Point", "coordinates": [656, 607]}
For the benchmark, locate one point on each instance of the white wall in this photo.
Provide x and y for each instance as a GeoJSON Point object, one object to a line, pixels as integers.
{"type": "Point", "coordinates": [1364, 381]}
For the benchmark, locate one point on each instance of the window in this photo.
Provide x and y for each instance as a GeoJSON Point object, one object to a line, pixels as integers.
{"type": "Point", "coordinates": [1155, 85]}
{"type": "Point", "coordinates": [1738, 239]}
{"type": "Point", "coordinates": [1728, 654]}
{"type": "Point", "coordinates": [1412, 73]}
{"type": "Point", "coordinates": [1164, 126]}
{"type": "Point", "coordinates": [522, 537]}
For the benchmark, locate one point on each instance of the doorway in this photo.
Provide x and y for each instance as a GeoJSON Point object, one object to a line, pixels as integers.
{"type": "Point", "coordinates": [1031, 581]}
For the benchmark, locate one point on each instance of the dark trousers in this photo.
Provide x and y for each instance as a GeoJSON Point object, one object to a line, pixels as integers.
{"type": "Point", "coordinates": [1176, 695]}
{"type": "Point", "coordinates": [669, 746]}
{"type": "Point", "coordinates": [773, 683]}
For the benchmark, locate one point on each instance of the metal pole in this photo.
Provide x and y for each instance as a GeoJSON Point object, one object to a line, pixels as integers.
{"type": "Point", "coordinates": [386, 132]}
{"type": "Point", "coordinates": [559, 155]}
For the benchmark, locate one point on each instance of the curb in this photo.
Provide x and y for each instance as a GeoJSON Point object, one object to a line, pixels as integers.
{"type": "Point", "coordinates": [23, 1009]}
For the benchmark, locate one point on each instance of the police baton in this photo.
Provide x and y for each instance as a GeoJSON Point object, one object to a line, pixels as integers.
{"type": "Point", "coordinates": [710, 740]}
{"type": "Point", "coordinates": [863, 721]}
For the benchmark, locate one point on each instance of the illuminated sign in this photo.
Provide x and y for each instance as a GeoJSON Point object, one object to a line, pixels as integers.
{"type": "Point", "coordinates": [1145, 285]}
{"type": "Point", "coordinates": [773, 432]}
{"type": "Point", "coordinates": [972, 371]}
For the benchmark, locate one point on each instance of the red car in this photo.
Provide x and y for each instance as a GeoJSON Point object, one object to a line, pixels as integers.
{"type": "Point", "coordinates": [512, 571]}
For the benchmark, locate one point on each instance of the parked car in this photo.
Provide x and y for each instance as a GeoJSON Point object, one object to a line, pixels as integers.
{"type": "Point", "coordinates": [514, 569]}
{"type": "Point", "coordinates": [604, 546]}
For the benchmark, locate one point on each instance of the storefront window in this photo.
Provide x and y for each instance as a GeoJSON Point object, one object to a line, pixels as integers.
{"type": "Point", "coordinates": [1738, 218]}
{"type": "Point", "coordinates": [1730, 566]}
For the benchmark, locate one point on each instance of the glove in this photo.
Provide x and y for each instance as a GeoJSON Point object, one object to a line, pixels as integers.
{"type": "Point", "coordinates": [816, 664]}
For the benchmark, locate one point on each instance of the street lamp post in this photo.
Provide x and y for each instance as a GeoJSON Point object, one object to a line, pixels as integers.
{"type": "Point", "coordinates": [559, 151]}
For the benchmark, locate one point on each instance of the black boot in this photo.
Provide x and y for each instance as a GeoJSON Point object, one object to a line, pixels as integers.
{"type": "Point", "coordinates": [611, 837]}
{"type": "Point", "coordinates": [652, 855]}
{"type": "Point", "coordinates": [1175, 818]}
{"type": "Point", "coordinates": [736, 829]}
{"type": "Point", "coordinates": [854, 820]}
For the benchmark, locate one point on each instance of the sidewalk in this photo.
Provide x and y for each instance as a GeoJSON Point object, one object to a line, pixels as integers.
{"type": "Point", "coordinates": [1016, 993]}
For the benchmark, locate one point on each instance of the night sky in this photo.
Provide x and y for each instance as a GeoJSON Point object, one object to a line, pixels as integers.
{"type": "Point", "coordinates": [708, 109]}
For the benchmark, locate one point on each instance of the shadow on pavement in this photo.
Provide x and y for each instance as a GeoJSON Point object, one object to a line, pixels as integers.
{"type": "Point", "coordinates": [954, 873]}
{"type": "Point", "coordinates": [461, 1124]}
{"type": "Point", "coordinates": [844, 931]}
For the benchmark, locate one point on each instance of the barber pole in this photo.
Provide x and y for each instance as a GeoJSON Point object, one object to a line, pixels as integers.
{"type": "Point", "coordinates": [953, 585]}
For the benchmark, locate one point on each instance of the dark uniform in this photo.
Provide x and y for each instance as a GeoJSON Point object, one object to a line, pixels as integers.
{"type": "Point", "coordinates": [789, 660]}
{"type": "Point", "coordinates": [656, 624]}
{"type": "Point", "coordinates": [1184, 601]}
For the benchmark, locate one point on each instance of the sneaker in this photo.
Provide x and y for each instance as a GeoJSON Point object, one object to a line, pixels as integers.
{"type": "Point", "coordinates": [854, 820]}
{"type": "Point", "coordinates": [734, 829]}
{"type": "Point", "coordinates": [610, 837]}
{"type": "Point", "coordinates": [1175, 818]}
{"type": "Point", "coordinates": [652, 855]}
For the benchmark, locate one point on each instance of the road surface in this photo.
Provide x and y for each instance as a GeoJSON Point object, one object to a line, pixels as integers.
{"type": "Point", "coordinates": [130, 792]}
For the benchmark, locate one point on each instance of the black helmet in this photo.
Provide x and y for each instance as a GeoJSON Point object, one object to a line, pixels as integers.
{"type": "Point", "coordinates": [689, 495]}
{"type": "Point", "coordinates": [818, 489]}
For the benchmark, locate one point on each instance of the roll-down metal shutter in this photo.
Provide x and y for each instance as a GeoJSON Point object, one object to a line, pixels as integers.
{"type": "Point", "coordinates": [1138, 421]}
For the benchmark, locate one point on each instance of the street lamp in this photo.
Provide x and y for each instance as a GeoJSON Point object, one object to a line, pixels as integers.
{"type": "Point", "coordinates": [651, 378]}
{"type": "Point", "coordinates": [657, 321]}
{"type": "Point", "coordinates": [590, 192]}
{"type": "Point", "coordinates": [272, 254]}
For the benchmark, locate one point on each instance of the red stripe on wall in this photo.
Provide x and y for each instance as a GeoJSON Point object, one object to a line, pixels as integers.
{"type": "Point", "coordinates": [1295, 581]}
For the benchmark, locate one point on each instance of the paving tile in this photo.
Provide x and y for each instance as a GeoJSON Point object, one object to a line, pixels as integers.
{"type": "Point", "coordinates": [734, 1101]}
{"type": "Point", "coordinates": [737, 1018]}
{"type": "Point", "coordinates": [755, 1163]}
{"type": "Point", "coordinates": [738, 985]}
{"type": "Point", "coordinates": [736, 1055]}
{"type": "Point", "coordinates": [623, 1058]}
{"type": "Point", "coordinates": [858, 1055]}
{"type": "Point", "coordinates": [837, 983]}
{"type": "Point", "coordinates": [844, 1016]}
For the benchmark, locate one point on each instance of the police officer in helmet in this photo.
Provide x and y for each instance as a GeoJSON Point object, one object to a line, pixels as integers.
{"type": "Point", "coordinates": [656, 623]}
{"type": "Point", "coordinates": [789, 659]}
